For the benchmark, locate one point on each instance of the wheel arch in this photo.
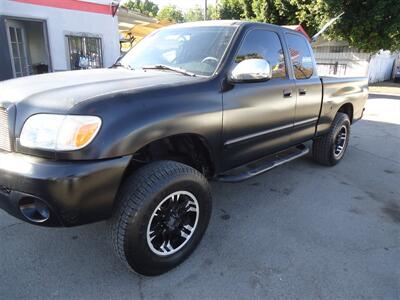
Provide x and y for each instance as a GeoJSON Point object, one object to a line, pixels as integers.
{"type": "Point", "coordinates": [347, 109]}
{"type": "Point", "coordinates": [188, 148]}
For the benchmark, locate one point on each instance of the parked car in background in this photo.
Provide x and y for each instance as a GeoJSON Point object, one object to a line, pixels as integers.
{"type": "Point", "coordinates": [397, 75]}
{"type": "Point", "coordinates": [137, 143]}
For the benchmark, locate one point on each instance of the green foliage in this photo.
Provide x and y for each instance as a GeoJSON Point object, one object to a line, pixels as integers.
{"type": "Point", "coordinates": [145, 7]}
{"type": "Point", "coordinates": [369, 25]}
{"type": "Point", "coordinates": [248, 12]}
{"type": "Point", "coordinates": [231, 10]}
{"type": "Point", "coordinates": [213, 12]}
{"type": "Point", "coordinates": [195, 14]}
{"type": "Point", "coordinates": [171, 13]}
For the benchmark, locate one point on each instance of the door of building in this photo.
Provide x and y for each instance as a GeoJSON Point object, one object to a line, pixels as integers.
{"type": "Point", "coordinates": [18, 48]}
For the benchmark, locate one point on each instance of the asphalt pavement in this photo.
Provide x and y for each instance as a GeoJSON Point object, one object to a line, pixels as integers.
{"type": "Point", "coordinates": [301, 231]}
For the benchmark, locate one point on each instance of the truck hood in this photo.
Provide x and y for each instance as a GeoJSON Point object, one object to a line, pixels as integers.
{"type": "Point", "coordinates": [61, 91]}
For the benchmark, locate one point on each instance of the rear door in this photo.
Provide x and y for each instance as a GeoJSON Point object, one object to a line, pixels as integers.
{"type": "Point", "coordinates": [258, 117]}
{"type": "Point", "coordinates": [308, 87]}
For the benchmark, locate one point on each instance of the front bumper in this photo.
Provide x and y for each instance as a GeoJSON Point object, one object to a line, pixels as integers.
{"type": "Point", "coordinates": [76, 192]}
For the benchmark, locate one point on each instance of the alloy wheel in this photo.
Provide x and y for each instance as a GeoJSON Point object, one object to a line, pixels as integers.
{"type": "Point", "coordinates": [173, 223]}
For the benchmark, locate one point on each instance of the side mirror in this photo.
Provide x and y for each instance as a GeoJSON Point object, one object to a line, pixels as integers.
{"type": "Point", "coordinates": [251, 70]}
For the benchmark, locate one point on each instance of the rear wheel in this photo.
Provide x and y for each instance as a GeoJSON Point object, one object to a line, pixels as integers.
{"type": "Point", "coordinates": [163, 211]}
{"type": "Point", "coordinates": [330, 148]}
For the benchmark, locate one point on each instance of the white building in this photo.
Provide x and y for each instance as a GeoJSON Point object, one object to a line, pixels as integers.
{"type": "Point", "coordinates": [38, 36]}
{"type": "Point", "coordinates": [337, 58]}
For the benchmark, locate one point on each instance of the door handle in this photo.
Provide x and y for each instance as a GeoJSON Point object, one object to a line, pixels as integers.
{"type": "Point", "coordinates": [302, 92]}
{"type": "Point", "coordinates": [287, 93]}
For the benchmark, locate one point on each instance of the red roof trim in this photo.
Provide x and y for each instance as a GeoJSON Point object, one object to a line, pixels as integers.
{"type": "Point", "coordinates": [73, 5]}
{"type": "Point", "coordinates": [299, 28]}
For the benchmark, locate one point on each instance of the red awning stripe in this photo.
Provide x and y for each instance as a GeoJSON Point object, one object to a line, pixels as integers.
{"type": "Point", "coordinates": [73, 5]}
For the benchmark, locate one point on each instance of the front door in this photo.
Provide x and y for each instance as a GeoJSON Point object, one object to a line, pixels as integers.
{"type": "Point", "coordinates": [18, 51]}
{"type": "Point", "coordinates": [258, 117]}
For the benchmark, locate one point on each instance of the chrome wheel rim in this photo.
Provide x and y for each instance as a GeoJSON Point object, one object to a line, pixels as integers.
{"type": "Point", "coordinates": [173, 223]}
{"type": "Point", "coordinates": [340, 142]}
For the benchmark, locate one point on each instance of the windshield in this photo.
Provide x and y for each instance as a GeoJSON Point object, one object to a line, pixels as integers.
{"type": "Point", "coordinates": [197, 50]}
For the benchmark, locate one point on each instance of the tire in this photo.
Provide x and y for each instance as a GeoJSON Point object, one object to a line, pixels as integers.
{"type": "Point", "coordinates": [164, 197]}
{"type": "Point", "coordinates": [326, 149]}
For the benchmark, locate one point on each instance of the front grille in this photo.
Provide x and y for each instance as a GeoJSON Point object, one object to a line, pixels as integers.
{"type": "Point", "coordinates": [4, 132]}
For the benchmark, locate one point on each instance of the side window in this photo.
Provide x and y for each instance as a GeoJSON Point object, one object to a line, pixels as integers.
{"type": "Point", "coordinates": [301, 56]}
{"type": "Point", "coordinates": [266, 45]}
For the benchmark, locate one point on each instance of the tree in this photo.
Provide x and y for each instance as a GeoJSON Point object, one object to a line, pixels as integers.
{"type": "Point", "coordinates": [194, 14]}
{"type": "Point", "coordinates": [213, 12]}
{"type": "Point", "coordinates": [197, 13]}
{"type": "Point", "coordinates": [171, 13]}
{"type": "Point", "coordinates": [231, 10]}
{"type": "Point", "coordinates": [145, 7]}
{"type": "Point", "coordinates": [248, 12]}
{"type": "Point", "coordinates": [369, 25]}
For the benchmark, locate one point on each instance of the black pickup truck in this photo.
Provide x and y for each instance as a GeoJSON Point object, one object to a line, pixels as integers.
{"type": "Point", "coordinates": [137, 143]}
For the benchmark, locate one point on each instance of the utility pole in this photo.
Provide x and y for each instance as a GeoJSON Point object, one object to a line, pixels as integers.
{"type": "Point", "coordinates": [205, 10]}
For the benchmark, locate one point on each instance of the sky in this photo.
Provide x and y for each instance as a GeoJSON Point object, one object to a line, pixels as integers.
{"type": "Point", "coordinates": [182, 4]}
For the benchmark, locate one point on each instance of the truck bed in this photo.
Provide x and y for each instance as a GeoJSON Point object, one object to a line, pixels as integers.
{"type": "Point", "coordinates": [340, 91]}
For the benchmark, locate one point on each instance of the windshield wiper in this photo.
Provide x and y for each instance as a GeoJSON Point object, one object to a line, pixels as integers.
{"type": "Point", "coordinates": [118, 64]}
{"type": "Point", "coordinates": [165, 67]}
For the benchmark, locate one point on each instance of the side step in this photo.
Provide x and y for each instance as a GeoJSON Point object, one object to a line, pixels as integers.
{"type": "Point", "coordinates": [263, 165]}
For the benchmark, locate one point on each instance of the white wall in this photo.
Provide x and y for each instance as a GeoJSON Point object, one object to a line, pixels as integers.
{"type": "Point", "coordinates": [61, 22]}
{"type": "Point", "coordinates": [357, 68]}
{"type": "Point", "coordinates": [381, 67]}
{"type": "Point", "coordinates": [356, 63]}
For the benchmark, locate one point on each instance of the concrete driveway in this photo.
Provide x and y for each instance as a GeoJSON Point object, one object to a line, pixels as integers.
{"type": "Point", "coordinates": [302, 231]}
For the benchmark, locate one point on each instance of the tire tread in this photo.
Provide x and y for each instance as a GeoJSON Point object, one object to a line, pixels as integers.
{"type": "Point", "coordinates": [135, 190]}
{"type": "Point", "coordinates": [322, 146]}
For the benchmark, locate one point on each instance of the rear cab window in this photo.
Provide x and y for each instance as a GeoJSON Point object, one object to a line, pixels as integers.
{"type": "Point", "coordinates": [300, 56]}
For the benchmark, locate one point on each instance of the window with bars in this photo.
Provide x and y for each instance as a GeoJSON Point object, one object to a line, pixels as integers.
{"type": "Point", "coordinates": [85, 52]}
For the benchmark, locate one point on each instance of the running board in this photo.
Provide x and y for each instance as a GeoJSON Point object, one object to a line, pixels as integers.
{"type": "Point", "coordinates": [263, 165]}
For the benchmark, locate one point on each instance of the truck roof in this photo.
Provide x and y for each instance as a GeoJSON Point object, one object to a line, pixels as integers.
{"type": "Point", "coordinates": [235, 23]}
{"type": "Point", "coordinates": [209, 23]}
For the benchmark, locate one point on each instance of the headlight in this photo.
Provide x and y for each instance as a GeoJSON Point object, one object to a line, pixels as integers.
{"type": "Point", "coordinates": [59, 132]}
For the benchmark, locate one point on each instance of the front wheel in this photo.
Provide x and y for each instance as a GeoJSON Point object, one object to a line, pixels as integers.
{"type": "Point", "coordinates": [163, 211]}
{"type": "Point", "coordinates": [330, 148]}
